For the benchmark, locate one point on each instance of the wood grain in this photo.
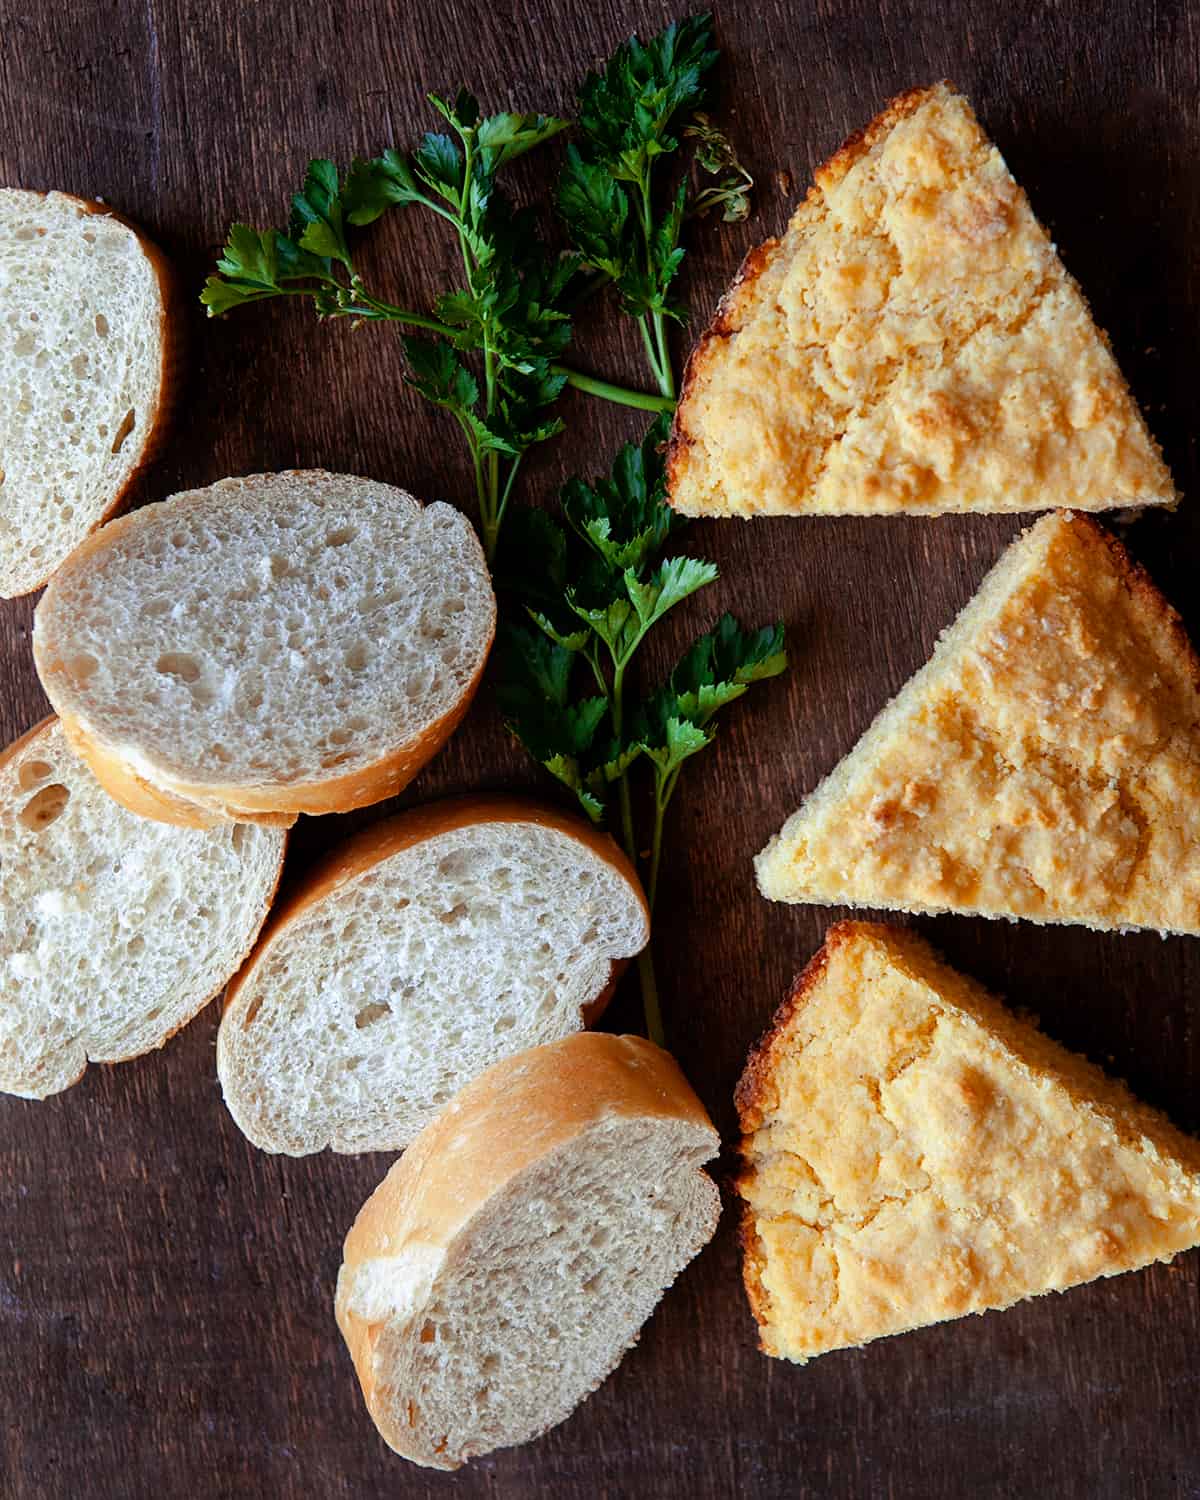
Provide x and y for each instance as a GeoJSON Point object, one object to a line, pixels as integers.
{"type": "Point", "coordinates": [165, 1290]}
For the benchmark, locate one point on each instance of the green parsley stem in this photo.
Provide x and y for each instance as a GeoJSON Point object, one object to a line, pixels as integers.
{"type": "Point", "coordinates": [364, 301]}
{"type": "Point", "coordinates": [666, 376]}
{"type": "Point", "coordinates": [503, 505]}
{"type": "Point", "coordinates": [607, 391]}
{"type": "Point", "coordinates": [645, 963]}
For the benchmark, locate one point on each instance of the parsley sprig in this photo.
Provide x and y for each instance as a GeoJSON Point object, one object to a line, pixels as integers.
{"type": "Point", "coordinates": [632, 115]}
{"type": "Point", "coordinates": [512, 311]}
{"type": "Point", "coordinates": [591, 592]}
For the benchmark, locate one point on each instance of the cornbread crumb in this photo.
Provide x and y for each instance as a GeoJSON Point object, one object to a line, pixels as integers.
{"type": "Point", "coordinates": [913, 1152]}
{"type": "Point", "coordinates": [913, 343]}
{"type": "Point", "coordinates": [1044, 764]}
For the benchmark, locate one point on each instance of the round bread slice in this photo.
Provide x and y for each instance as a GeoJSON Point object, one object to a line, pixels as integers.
{"type": "Point", "coordinates": [285, 643]}
{"type": "Point", "coordinates": [420, 952]}
{"type": "Point", "coordinates": [88, 352]}
{"type": "Point", "coordinates": [508, 1260]}
{"type": "Point", "coordinates": [114, 931]}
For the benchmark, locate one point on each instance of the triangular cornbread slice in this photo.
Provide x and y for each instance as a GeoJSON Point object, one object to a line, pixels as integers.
{"type": "Point", "coordinates": [913, 343]}
{"type": "Point", "coordinates": [912, 1152]}
{"type": "Point", "coordinates": [1045, 763]}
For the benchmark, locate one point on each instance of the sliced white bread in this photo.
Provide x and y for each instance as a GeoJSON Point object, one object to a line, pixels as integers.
{"type": "Point", "coordinates": [88, 351]}
{"type": "Point", "coordinates": [285, 643]}
{"type": "Point", "coordinates": [420, 952]}
{"type": "Point", "coordinates": [114, 931]}
{"type": "Point", "coordinates": [510, 1257]}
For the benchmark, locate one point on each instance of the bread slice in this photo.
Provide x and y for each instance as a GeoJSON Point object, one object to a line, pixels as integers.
{"type": "Point", "coordinates": [114, 931]}
{"type": "Point", "coordinates": [422, 951]}
{"type": "Point", "coordinates": [286, 643]}
{"type": "Point", "coordinates": [507, 1261]}
{"type": "Point", "coordinates": [913, 1153]}
{"type": "Point", "coordinates": [88, 353]}
{"type": "Point", "coordinates": [913, 343]}
{"type": "Point", "coordinates": [1044, 764]}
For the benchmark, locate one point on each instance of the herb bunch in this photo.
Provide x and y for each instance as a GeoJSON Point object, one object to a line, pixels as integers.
{"type": "Point", "coordinates": [587, 589]}
{"type": "Point", "coordinates": [592, 591]}
{"type": "Point", "coordinates": [490, 351]}
{"type": "Point", "coordinates": [632, 115]}
{"type": "Point", "coordinates": [513, 308]}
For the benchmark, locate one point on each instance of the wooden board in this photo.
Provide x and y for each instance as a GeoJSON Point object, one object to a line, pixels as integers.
{"type": "Point", "coordinates": [165, 1290]}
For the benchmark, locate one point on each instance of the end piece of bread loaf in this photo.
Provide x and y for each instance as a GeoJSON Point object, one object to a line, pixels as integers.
{"type": "Point", "coordinates": [510, 1257]}
{"type": "Point", "coordinates": [114, 931]}
{"type": "Point", "coordinates": [912, 344]}
{"type": "Point", "coordinates": [420, 952]}
{"type": "Point", "coordinates": [1044, 764]}
{"type": "Point", "coordinates": [913, 1153]}
{"type": "Point", "coordinates": [88, 351]}
{"type": "Point", "coordinates": [285, 643]}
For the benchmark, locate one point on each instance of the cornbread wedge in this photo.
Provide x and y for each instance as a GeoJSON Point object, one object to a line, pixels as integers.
{"type": "Point", "coordinates": [912, 343]}
{"type": "Point", "coordinates": [912, 1153]}
{"type": "Point", "coordinates": [1045, 763]}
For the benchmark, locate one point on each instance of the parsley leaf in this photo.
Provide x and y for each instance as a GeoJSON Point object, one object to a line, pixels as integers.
{"type": "Point", "coordinates": [716, 156]}
{"type": "Point", "coordinates": [318, 222]}
{"type": "Point", "coordinates": [632, 114]}
{"type": "Point", "coordinates": [591, 594]}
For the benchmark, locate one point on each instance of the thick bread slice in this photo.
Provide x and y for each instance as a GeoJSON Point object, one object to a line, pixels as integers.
{"type": "Point", "coordinates": [1044, 764]}
{"type": "Point", "coordinates": [286, 643]}
{"type": "Point", "coordinates": [114, 931]}
{"type": "Point", "coordinates": [419, 953]}
{"type": "Point", "coordinates": [913, 343]}
{"type": "Point", "coordinates": [88, 354]}
{"type": "Point", "coordinates": [507, 1261]}
{"type": "Point", "coordinates": [912, 1153]}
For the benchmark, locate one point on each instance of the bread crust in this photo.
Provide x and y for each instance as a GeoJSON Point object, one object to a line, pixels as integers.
{"type": "Point", "coordinates": [22, 744]}
{"type": "Point", "coordinates": [475, 1146]}
{"type": "Point", "coordinates": [154, 793]}
{"type": "Point", "coordinates": [171, 344]}
{"type": "Point", "coordinates": [748, 1098]}
{"type": "Point", "coordinates": [371, 846]}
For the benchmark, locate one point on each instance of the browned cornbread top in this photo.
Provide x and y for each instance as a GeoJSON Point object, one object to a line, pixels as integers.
{"type": "Point", "coordinates": [913, 1152]}
{"type": "Point", "coordinates": [913, 343]}
{"type": "Point", "coordinates": [1044, 764]}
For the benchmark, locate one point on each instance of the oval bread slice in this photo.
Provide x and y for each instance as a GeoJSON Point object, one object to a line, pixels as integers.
{"type": "Point", "coordinates": [285, 643]}
{"type": "Point", "coordinates": [422, 951]}
{"type": "Point", "coordinates": [87, 355]}
{"type": "Point", "coordinates": [508, 1260]}
{"type": "Point", "coordinates": [114, 931]}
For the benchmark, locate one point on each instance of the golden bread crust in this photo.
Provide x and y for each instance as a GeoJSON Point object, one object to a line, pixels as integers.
{"type": "Point", "coordinates": [913, 1152]}
{"type": "Point", "coordinates": [1044, 764]}
{"type": "Point", "coordinates": [912, 343]}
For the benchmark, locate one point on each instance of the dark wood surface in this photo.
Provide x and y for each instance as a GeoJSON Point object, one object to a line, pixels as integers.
{"type": "Point", "coordinates": [165, 1289]}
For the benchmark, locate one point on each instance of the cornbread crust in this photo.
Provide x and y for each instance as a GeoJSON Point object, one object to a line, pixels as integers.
{"type": "Point", "coordinates": [1044, 764]}
{"type": "Point", "coordinates": [912, 343]}
{"type": "Point", "coordinates": [912, 1152]}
